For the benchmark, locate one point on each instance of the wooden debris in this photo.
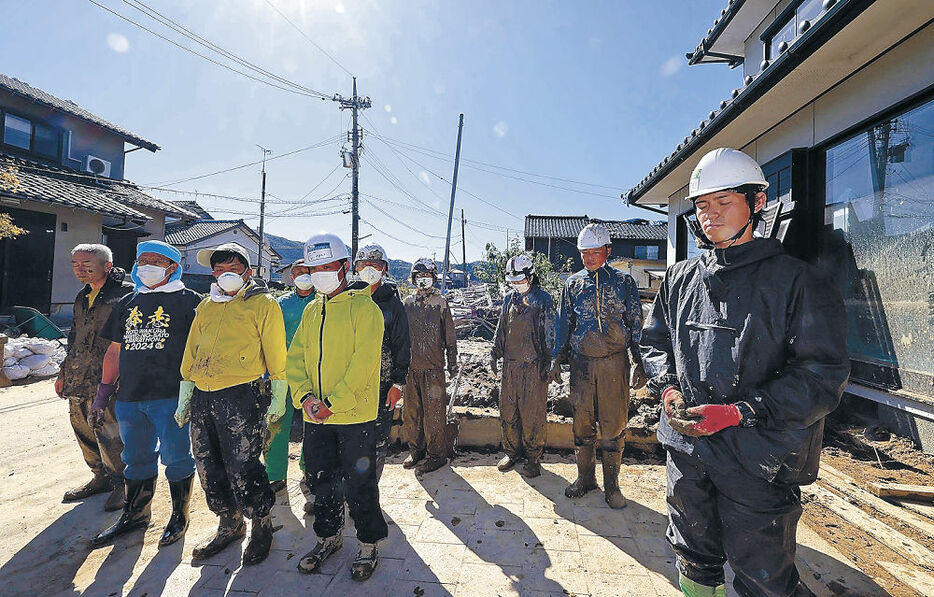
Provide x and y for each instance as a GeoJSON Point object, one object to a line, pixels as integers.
{"type": "Point", "coordinates": [921, 493]}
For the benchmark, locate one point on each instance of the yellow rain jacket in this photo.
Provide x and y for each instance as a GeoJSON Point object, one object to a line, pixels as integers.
{"type": "Point", "coordinates": [235, 342]}
{"type": "Point", "coordinates": [335, 354]}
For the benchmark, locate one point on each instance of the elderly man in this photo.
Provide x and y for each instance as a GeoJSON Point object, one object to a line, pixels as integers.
{"type": "Point", "coordinates": [98, 435]}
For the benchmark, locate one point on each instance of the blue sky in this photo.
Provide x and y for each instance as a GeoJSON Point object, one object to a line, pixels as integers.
{"type": "Point", "coordinates": [595, 92]}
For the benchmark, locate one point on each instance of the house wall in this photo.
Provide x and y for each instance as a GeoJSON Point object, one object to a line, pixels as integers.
{"type": "Point", "coordinates": [190, 263]}
{"type": "Point", "coordinates": [566, 248]}
{"type": "Point", "coordinates": [86, 139]}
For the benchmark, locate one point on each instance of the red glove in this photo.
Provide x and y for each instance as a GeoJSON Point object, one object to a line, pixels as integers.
{"type": "Point", "coordinates": [316, 410]}
{"type": "Point", "coordinates": [393, 397]}
{"type": "Point", "coordinates": [322, 412]}
{"type": "Point", "coordinates": [714, 418]}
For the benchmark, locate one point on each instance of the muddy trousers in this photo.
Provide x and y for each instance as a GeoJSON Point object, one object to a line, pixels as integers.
{"type": "Point", "coordinates": [383, 429]}
{"type": "Point", "coordinates": [276, 456]}
{"type": "Point", "coordinates": [599, 394]}
{"type": "Point", "coordinates": [340, 464]}
{"type": "Point", "coordinates": [101, 449]}
{"type": "Point", "coordinates": [522, 409]}
{"type": "Point", "coordinates": [715, 517]}
{"type": "Point", "coordinates": [227, 441]}
{"type": "Point", "coordinates": [423, 412]}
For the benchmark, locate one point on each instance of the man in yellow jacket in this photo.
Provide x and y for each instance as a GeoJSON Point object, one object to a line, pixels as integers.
{"type": "Point", "coordinates": [333, 370]}
{"type": "Point", "coordinates": [237, 336]}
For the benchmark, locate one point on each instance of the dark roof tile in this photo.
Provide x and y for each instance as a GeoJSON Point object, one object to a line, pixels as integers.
{"type": "Point", "coordinates": [570, 227]}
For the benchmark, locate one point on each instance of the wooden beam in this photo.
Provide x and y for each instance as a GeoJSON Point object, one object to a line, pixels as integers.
{"type": "Point", "coordinates": [921, 493]}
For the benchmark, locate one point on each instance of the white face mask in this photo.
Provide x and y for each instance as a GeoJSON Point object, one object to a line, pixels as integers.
{"type": "Point", "coordinates": [230, 282]}
{"type": "Point", "coordinates": [303, 282]}
{"type": "Point", "coordinates": [150, 275]}
{"type": "Point", "coordinates": [424, 283]}
{"type": "Point", "coordinates": [326, 282]}
{"type": "Point", "coordinates": [370, 275]}
{"type": "Point", "coordinates": [522, 287]}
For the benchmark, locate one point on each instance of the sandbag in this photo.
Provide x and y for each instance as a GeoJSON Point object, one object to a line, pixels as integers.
{"type": "Point", "coordinates": [40, 346]}
{"type": "Point", "coordinates": [21, 352]}
{"type": "Point", "coordinates": [50, 369]}
{"type": "Point", "coordinates": [34, 362]}
{"type": "Point", "coordinates": [16, 372]}
{"type": "Point", "coordinates": [10, 361]}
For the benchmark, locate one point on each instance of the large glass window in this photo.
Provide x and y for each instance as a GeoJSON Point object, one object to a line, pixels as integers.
{"type": "Point", "coordinates": [878, 246]}
{"type": "Point", "coordinates": [16, 131]}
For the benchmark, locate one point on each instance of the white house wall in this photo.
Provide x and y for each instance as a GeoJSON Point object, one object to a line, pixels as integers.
{"type": "Point", "coordinates": [190, 253]}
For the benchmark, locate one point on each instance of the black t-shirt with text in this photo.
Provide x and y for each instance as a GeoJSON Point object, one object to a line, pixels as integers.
{"type": "Point", "coordinates": [152, 329]}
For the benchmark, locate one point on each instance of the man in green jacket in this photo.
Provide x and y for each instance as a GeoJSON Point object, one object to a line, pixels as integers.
{"type": "Point", "coordinates": [333, 369]}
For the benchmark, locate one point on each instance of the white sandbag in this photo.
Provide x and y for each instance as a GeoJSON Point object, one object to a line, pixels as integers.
{"type": "Point", "coordinates": [41, 346]}
{"type": "Point", "coordinates": [9, 362]}
{"type": "Point", "coordinates": [16, 372]}
{"type": "Point", "coordinates": [34, 362]}
{"type": "Point", "coordinates": [7, 351]}
{"type": "Point", "coordinates": [21, 352]}
{"type": "Point", "coordinates": [50, 369]}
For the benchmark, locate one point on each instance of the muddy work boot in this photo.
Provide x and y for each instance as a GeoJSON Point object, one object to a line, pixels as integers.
{"type": "Point", "coordinates": [178, 522]}
{"type": "Point", "coordinates": [136, 514]}
{"type": "Point", "coordinates": [611, 493]}
{"type": "Point", "coordinates": [309, 506]}
{"type": "Point", "coordinates": [365, 563]}
{"type": "Point", "coordinates": [506, 463]}
{"type": "Point", "coordinates": [586, 473]}
{"type": "Point", "coordinates": [322, 550]}
{"type": "Point", "coordinates": [531, 469]}
{"type": "Point", "coordinates": [99, 484]}
{"type": "Point", "coordinates": [430, 464]}
{"type": "Point", "coordinates": [230, 528]}
{"type": "Point", "coordinates": [260, 541]}
{"type": "Point", "coordinates": [412, 459]}
{"type": "Point", "coordinates": [116, 498]}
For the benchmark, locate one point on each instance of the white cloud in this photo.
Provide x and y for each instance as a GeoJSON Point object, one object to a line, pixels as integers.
{"type": "Point", "coordinates": [439, 87]}
{"type": "Point", "coordinates": [118, 43]}
{"type": "Point", "coordinates": [388, 108]}
{"type": "Point", "coordinates": [671, 66]}
{"type": "Point", "coordinates": [500, 129]}
{"type": "Point", "coordinates": [339, 8]}
{"type": "Point", "coordinates": [394, 120]}
{"type": "Point", "coordinates": [423, 176]}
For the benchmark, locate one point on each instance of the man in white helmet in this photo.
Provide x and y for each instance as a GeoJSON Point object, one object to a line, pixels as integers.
{"type": "Point", "coordinates": [372, 268]}
{"type": "Point", "coordinates": [524, 339]}
{"type": "Point", "coordinates": [746, 347]}
{"type": "Point", "coordinates": [598, 325]}
{"type": "Point", "coordinates": [333, 372]}
{"type": "Point", "coordinates": [433, 343]}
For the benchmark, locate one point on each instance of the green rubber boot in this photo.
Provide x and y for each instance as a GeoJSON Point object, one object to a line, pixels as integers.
{"type": "Point", "coordinates": [693, 589]}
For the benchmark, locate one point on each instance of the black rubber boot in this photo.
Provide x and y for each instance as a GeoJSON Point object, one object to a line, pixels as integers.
{"type": "Point", "coordinates": [98, 484]}
{"type": "Point", "coordinates": [137, 511]}
{"type": "Point", "coordinates": [117, 498]}
{"type": "Point", "coordinates": [412, 460]}
{"type": "Point", "coordinates": [586, 473]}
{"type": "Point", "coordinates": [365, 563]}
{"type": "Point", "coordinates": [611, 493]}
{"type": "Point", "coordinates": [178, 522]}
{"type": "Point", "coordinates": [230, 528]}
{"type": "Point", "coordinates": [260, 541]}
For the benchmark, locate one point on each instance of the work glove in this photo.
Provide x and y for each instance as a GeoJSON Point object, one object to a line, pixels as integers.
{"type": "Point", "coordinates": [712, 418]}
{"type": "Point", "coordinates": [96, 414]}
{"type": "Point", "coordinates": [493, 366]}
{"type": "Point", "coordinates": [555, 371]}
{"type": "Point", "coordinates": [183, 412]}
{"type": "Point", "coordinates": [637, 378]}
{"type": "Point", "coordinates": [316, 410]}
{"type": "Point", "coordinates": [272, 430]}
{"type": "Point", "coordinates": [677, 411]}
{"type": "Point", "coordinates": [393, 396]}
{"type": "Point", "coordinates": [280, 389]}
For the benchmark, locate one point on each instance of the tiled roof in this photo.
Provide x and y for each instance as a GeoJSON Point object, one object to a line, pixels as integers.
{"type": "Point", "coordinates": [186, 233]}
{"type": "Point", "coordinates": [53, 184]}
{"type": "Point", "coordinates": [39, 96]}
{"type": "Point", "coordinates": [570, 227]}
{"type": "Point", "coordinates": [195, 208]}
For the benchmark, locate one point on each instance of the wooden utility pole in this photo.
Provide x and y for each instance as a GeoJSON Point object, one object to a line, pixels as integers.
{"type": "Point", "coordinates": [447, 241]}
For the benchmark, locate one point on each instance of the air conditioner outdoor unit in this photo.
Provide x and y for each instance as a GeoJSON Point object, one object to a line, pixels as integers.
{"type": "Point", "coordinates": [96, 165]}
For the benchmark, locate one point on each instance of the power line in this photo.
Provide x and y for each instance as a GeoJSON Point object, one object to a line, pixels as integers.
{"type": "Point", "coordinates": [311, 41]}
{"type": "Point", "coordinates": [403, 224]}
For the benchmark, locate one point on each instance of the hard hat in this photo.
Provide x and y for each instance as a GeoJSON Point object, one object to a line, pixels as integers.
{"type": "Point", "coordinates": [723, 169]}
{"type": "Point", "coordinates": [372, 252]}
{"type": "Point", "coordinates": [423, 265]}
{"type": "Point", "coordinates": [324, 248]}
{"type": "Point", "coordinates": [519, 267]}
{"type": "Point", "coordinates": [593, 236]}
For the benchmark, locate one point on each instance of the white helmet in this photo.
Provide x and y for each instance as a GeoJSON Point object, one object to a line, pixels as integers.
{"type": "Point", "coordinates": [519, 268]}
{"type": "Point", "coordinates": [593, 236]}
{"type": "Point", "coordinates": [372, 252]}
{"type": "Point", "coordinates": [425, 264]}
{"type": "Point", "coordinates": [324, 248]}
{"type": "Point", "coordinates": [723, 169]}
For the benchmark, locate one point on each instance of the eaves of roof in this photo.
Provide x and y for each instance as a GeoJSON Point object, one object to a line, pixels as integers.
{"type": "Point", "coordinates": [836, 18]}
{"type": "Point", "coordinates": [719, 25]}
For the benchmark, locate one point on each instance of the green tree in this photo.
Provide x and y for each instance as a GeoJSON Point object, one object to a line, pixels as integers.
{"type": "Point", "coordinates": [492, 270]}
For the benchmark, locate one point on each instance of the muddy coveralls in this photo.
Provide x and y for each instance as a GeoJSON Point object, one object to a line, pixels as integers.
{"type": "Point", "coordinates": [81, 372]}
{"type": "Point", "coordinates": [599, 320]}
{"type": "Point", "coordinates": [433, 342]}
{"type": "Point", "coordinates": [524, 340]}
{"type": "Point", "coordinates": [745, 324]}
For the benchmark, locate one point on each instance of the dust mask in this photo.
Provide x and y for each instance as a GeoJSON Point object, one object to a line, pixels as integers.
{"type": "Point", "coordinates": [424, 282]}
{"type": "Point", "coordinates": [370, 275]}
{"type": "Point", "coordinates": [150, 275]}
{"type": "Point", "coordinates": [522, 287]}
{"type": "Point", "coordinates": [304, 282]}
{"type": "Point", "coordinates": [230, 282]}
{"type": "Point", "coordinates": [326, 282]}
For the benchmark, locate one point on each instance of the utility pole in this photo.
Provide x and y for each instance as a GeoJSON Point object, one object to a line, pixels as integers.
{"type": "Point", "coordinates": [354, 104]}
{"type": "Point", "coordinates": [447, 241]}
{"type": "Point", "coordinates": [463, 242]}
{"type": "Point", "coordinates": [262, 211]}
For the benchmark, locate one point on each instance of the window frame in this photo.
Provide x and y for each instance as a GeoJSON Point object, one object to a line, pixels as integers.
{"type": "Point", "coordinates": [32, 136]}
{"type": "Point", "coordinates": [789, 14]}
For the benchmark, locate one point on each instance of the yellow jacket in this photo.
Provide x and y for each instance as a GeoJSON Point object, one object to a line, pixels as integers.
{"type": "Point", "coordinates": [235, 342]}
{"type": "Point", "coordinates": [335, 354]}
